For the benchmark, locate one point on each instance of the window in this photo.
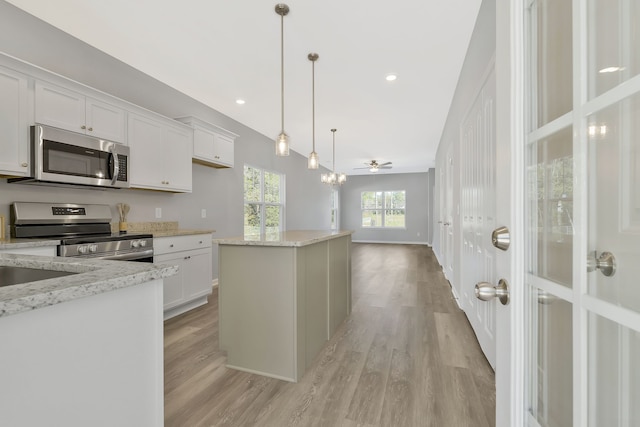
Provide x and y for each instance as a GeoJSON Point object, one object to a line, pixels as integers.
{"type": "Point", "coordinates": [263, 202]}
{"type": "Point", "coordinates": [383, 209]}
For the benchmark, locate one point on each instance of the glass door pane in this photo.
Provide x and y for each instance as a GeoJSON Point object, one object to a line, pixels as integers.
{"type": "Point", "coordinates": [552, 60]}
{"type": "Point", "coordinates": [614, 379]}
{"type": "Point", "coordinates": [614, 171]}
{"type": "Point", "coordinates": [552, 395]}
{"type": "Point", "coordinates": [613, 41]}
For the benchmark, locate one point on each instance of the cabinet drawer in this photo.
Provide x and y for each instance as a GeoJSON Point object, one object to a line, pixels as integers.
{"type": "Point", "coordinates": [164, 245]}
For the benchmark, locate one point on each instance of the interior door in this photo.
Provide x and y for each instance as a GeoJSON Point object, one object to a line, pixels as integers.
{"type": "Point", "coordinates": [583, 216]}
{"type": "Point", "coordinates": [478, 205]}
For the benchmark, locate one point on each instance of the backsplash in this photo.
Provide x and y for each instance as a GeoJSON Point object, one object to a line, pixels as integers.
{"type": "Point", "coordinates": [147, 227]}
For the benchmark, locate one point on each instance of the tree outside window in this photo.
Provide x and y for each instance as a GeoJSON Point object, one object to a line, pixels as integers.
{"type": "Point", "coordinates": [263, 202]}
{"type": "Point", "coordinates": [383, 209]}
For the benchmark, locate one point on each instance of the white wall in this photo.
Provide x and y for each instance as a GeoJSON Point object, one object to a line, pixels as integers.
{"type": "Point", "coordinates": [417, 187]}
{"type": "Point", "coordinates": [479, 55]}
{"type": "Point", "coordinates": [219, 191]}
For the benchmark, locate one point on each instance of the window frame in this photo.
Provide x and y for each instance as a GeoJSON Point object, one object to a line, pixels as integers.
{"type": "Point", "coordinates": [381, 207]}
{"type": "Point", "coordinates": [263, 205]}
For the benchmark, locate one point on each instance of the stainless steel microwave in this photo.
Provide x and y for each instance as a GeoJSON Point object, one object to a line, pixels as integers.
{"type": "Point", "coordinates": [62, 157]}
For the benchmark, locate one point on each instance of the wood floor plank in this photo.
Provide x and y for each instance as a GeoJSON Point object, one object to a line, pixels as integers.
{"type": "Point", "coordinates": [406, 356]}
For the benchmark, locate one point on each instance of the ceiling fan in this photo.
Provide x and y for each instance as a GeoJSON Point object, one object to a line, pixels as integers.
{"type": "Point", "coordinates": [374, 166]}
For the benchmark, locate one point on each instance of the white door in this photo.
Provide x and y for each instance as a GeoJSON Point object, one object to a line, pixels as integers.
{"type": "Point", "coordinates": [478, 205]}
{"type": "Point", "coordinates": [582, 150]}
{"type": "Point", "coordinates": [448, 219]}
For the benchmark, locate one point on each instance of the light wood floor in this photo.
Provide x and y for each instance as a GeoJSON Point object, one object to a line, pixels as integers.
{"type": "Point", "coordinates": [406, 356]}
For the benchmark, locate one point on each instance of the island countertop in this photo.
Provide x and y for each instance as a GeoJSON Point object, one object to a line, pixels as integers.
{"type": "Point", "coordinates": [94, 277]}
{"type": "Point", "coordinates": [293, 238]}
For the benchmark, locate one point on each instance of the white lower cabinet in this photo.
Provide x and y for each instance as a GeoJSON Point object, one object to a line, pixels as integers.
{"type": "Point", "coordinates": [192, 285]}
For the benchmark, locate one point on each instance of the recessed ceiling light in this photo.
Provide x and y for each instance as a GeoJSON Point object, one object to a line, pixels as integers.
{"type": "Point", "coordinates": [391, 77]}
{"type": "Point", "coordinates": [240, 101]}
{"type": "Point", "coordinates": [611, 70]}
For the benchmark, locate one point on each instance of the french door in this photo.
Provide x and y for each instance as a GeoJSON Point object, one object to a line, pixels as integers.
{"type": "Point", "coordinates": [582, 150]}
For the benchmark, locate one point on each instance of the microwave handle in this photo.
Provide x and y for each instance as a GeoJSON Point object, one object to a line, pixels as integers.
{"type": "Point", "coordinates": [116, 164]}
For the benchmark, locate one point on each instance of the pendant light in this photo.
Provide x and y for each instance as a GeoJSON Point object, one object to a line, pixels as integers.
{"type": "Point", "coordinates": [333, 178]}
{"type": "Point", "coordinates": [282, 140]}
{"type": "Point", "coordinates": [313, 157]}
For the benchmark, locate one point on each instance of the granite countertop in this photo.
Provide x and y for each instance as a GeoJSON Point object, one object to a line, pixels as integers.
{"type": "Point", "coordinates": [180, 232]}
{"type": "Point", "coordinates": [27, 243]}
{"type": "Point", "coordinates": [95, 277]}
{"type": "Point", "coordinates": [164, 229]}
{"type": "Point", "coordinates": [295, 238]}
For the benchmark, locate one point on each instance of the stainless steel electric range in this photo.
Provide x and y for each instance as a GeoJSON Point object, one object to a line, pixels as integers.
{"type": "Point", "coordinates": [84, 231]}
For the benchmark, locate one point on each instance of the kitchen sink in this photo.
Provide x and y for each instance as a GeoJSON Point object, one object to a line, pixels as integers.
{"type": "Point", "coordinates": [10, 275]}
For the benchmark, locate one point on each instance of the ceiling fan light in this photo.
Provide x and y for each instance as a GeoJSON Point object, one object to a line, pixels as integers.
{"type": "Point", "coordinates": [282, 144]}
{"type": "Point", "coordinates": [313, 160]}
{"type": "Point", "coordinates": [373, 169]}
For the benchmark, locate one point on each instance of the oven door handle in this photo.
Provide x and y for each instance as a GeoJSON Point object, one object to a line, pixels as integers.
{"type": "Point", "coordinates": [116, 164]}
{"type": "Point", "coordinates": [130, 255]}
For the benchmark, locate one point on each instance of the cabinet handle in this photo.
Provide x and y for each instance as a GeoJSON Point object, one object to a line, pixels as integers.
{"type": "Point", "coordinates": [171, 245]}
{"type": "Point", "coordinates": [187, 257]}
{"type": "Point", "coordinates": [24, 165]}
{"type": "Point", "coordinates": [90, 129]}
{"type": "Point", "coordinates": [217, 157]}
{"type": "Point", "coordinates": [83, 127]}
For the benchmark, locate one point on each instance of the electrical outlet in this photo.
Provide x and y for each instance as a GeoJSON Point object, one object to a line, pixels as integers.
{"type": "Point", "coordinates": [203, 213]}
{"type": "Point", "coordinates": [158, 212]}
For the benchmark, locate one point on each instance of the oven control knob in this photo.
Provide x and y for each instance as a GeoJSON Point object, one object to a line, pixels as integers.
{"type": "Point", "coordinates": [93, 248]}
{"type": "Point", "coordinates": [135, 243]}
{"type": "Point", "coordinates": [143, 243]}
{"type": "Point", "coordinates": [82, 250]}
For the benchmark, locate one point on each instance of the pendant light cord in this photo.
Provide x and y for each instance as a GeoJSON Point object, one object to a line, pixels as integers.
{"type": "Point", "coordinates": [313, 105]}
{"type": "Point", "coordinates": [282, 68]}
{"type": "Point", "coordinates": [333, 162]}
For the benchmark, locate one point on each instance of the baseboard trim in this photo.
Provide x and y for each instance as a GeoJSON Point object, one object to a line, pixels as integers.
{"type": "Point", "coordinates": [214, 283]}
{"type": "Point", "coordinates": [392, 243]}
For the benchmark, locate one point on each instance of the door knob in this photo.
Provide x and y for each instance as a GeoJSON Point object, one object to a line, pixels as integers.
{"type": "Point", "coordinates": [606, 263]}
{"type": "Point", "coordinates": [486, 291]}
{"type": "Point", "coordinates": [501, 238]}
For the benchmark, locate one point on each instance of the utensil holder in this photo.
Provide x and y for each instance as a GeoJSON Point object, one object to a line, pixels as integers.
{"type": "Point", "coordinates": [122, 226]}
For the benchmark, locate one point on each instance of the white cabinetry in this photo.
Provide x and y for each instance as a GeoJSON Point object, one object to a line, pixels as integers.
{"type": "Point", "coordinates": [14, 124]}
{"type": "Point", "coordinates": [160, 154]}
{"type": "Point", "coordinates": [192, 285]}
{"type": "Point", "coordinates": [212, 145]}
{"type": "Point", "coordinates": [73, 111]}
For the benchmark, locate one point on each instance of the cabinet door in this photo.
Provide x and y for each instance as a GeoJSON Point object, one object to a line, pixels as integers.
{"type": "Point", "coordinates": [146, 152]}
{"type": "Point", "coordinates": [197, 274]}
{"type": "Point", "coordinates": [178, 149]}
{"type": "Point", "coordinates": [173, 285]}
{"type": "Point", "coordinates": [105, 120]}
{"type": "Point", "coordinates": [203, 141]}
{"type": "Point", "coordinates": [14, 124]}
{"type": "Point", "coordinates": [223, 150]}
{"type": "Point", "coordinates": [59, 107]}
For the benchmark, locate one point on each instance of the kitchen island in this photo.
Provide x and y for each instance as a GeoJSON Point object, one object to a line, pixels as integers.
{"type": "Point", "coordinates": [281, 297]}
{"type": "Point", "coordinates": [82, 349]}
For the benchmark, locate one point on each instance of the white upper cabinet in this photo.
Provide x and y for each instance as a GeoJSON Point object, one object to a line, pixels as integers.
{"type": "Point", "coordinates": [65, 109]}
{"type": "Point", "coordinates": [14, 123]}
{"type": "Point", "coordinates": [160, 154]}
{"type": "Point", "coordinates": [212, 145]}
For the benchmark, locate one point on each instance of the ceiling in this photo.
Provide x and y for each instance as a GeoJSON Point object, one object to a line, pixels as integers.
{"type": "Point", "coordinates": [217, 51]}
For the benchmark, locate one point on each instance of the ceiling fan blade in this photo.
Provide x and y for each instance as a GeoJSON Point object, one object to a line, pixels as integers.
{"type": "Point", "coordinates": [384, 164]}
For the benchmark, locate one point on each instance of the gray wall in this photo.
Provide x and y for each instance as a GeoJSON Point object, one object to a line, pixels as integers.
{"type": "Point", "coordinates": [479, 58]}
{"type": "Point", "coordinates": [219, 191]}
{"type": "Point", "coordinates": [417, 187]}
